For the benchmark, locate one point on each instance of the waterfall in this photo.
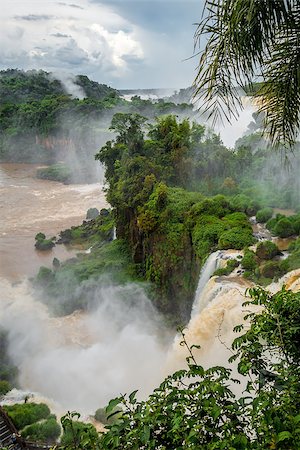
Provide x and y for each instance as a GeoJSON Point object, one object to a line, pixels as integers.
{"type": "Point", "coordinates": [207, 270]}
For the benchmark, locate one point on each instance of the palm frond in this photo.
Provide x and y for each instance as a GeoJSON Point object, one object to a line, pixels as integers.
{"type": "Point", "coordinates": [241, 36]}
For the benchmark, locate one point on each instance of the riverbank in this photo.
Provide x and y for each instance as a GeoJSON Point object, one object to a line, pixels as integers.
{"type": "Point", "coordinates": [30, 205]}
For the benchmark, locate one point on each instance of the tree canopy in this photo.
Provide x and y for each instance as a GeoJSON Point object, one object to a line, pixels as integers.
{"type": "Point", "coordinates": [252, 40]}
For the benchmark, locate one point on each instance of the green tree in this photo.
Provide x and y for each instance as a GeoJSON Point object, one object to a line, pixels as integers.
{"type": "Point", "coordinates": [246, 39]}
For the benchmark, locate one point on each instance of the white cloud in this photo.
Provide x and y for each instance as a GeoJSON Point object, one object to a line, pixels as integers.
{"type": "Point", "coordinates": [79, 37]}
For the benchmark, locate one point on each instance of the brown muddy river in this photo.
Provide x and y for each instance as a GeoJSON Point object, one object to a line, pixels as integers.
{"type": "Point", "coordinates": [29, 205]}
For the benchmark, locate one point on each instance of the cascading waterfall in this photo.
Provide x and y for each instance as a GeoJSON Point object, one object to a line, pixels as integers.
{"type": "Point", "coordinates": [83, 360]}
{"type": "Point", "coordinates": [208, 269]}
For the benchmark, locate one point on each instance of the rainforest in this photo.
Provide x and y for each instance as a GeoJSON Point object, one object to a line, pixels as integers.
{"type": "Point", "coordinates": [150, 273]}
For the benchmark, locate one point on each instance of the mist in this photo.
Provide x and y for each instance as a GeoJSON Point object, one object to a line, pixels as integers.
{"type": "Point", "coordinates": [83, 360]}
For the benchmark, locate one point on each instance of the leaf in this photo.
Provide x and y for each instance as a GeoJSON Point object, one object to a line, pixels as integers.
{"type": "Point", "coordinates": [132, 396]}
{"type": "Point", "coordinates": [146, 434]}
{"type": "Point", "coordinates": [113, 403]}
{"type": "Point", "coordinates": [283, 435]}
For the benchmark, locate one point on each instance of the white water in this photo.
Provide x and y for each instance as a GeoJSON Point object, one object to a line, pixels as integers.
{"type": "Point", "coordinates": [81, 361]}
{"type": "Point", "coordinates": [211, 264]}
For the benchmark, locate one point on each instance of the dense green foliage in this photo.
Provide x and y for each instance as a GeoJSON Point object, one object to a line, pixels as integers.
{"type": "Point", "coordinates": [41, 243]}
{"type": "Point", "coordinates": [40, 122]}
{"type": "Point", "coordinates": [5, 387]}
{"type": "Point", "coordinates": [8, 372]}
{"type": "Point", "coordinates": [23, 414]}
{"type": "Point", "coordinates": [263, 215]}
{"type": "Point", "coordinates": [283, 226]}
{"type": "Point", "coordinates": [34, 421]}
{"type": "Point", "coordinates": [46, 431]}
{"type": "Point", "coordinates": [77, 434]}
{"type": "Point", "coordinates": [64, 285]}
{"type": "Point", "coordinates": [246, 40]}
{"type": "Point", "coordinates": [266, 250]}
{"type": "Point", "coordinates": [169, 229]}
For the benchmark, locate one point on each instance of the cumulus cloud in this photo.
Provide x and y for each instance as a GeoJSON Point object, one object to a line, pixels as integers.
{"type": "Point", "coordinates": [95, 38]}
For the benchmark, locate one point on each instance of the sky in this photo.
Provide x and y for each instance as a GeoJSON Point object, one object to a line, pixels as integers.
{"type": "Point", "coordinates": [125, 44]}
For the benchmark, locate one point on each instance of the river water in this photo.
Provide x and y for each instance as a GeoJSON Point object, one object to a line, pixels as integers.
{"type": "Point", "coordinates": [29, 205]}
{"type": "Point", "coordinates": [83, 360]}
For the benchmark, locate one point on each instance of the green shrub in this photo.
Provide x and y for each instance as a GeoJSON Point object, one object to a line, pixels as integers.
{"type": "Point", "coordinates": [230, 266]}
{"type": "Point", "coordinates": [236, 238]}
{"type": "Point", "coordinates": [271, 224]}
{"type": "Point", "coordinates": [249, 261]}
{"type": "Point", "coordinates": [266, 250]}
{"type": "Point", "coordinates": [75, 431]}
{"type": "Point", "coordinates": [284, 228]}
{"type": "Point", "coordinates": [272, 269]}
{"type": "Point", "coordinates": [5, 387]}
{"type": "Point", "coordinates": [263, 215]}
{"type": "Point", "coordinates": [56, 172]}
{"type": "Point", "coordinates": [40, 237]}
{"type": "Point", "coordinates": [44, 275]}
{"type": "Point", "coordinates": [295, 245]}
{"type": "Point", "coordinates": [41, 243]}
{"type": "Point", "coordinates": [27, 413]}
{"type": "Point", "coordinates": [47, 431]}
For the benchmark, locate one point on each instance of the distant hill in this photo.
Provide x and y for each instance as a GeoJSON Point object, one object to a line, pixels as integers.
{"type": "Point", "coordinates": [48, 120]}
{"type": "Point", "coordinates": [17, 86]}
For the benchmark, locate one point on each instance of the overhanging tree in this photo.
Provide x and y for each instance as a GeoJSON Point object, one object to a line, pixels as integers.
{"type": "Point", "coordinates": [252, 40]}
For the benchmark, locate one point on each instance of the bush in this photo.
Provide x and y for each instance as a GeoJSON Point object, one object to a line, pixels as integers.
{"type": "Point", "coordinates": [267, 250]}
{"type": "Point", "coordinates": [284, 228]}
{"type": "Point", "coordinates": [56, 172]}
{"type": "Point", "coordinates": [236, 238]}
{"type": "Point", "coordinates": [41, 243]}
{"type": "Point", "coordinates": [4, 387]}
{"type": "Point", "coordinates": [75, 431]}
{"type": "Point", "coordinates": [27, 413]}
{"type": "Point", "coordinates": [44, 275]}
{"type": "Point", "coordinates": [47, 431]}
{"type": "Point", "coordinates": [272, 269]}
{"type": "Point", "coordinates": [249, 261]}
{"type": "Point", "coordinates": [263, 215]}
{"type": "Point", "coordinates": [230, 266]}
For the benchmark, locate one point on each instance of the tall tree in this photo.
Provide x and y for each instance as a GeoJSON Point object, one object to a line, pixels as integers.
{"type": "Point", "coordinates": [252, 40]}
